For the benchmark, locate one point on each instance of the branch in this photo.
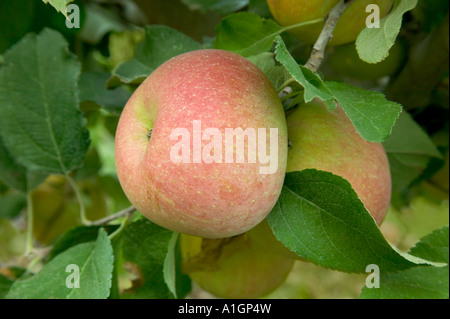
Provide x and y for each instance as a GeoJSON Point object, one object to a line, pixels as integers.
{"type": "Point", "coordinates": [318, 51]}
{"type": "Point", "coordinates": [125, 212]}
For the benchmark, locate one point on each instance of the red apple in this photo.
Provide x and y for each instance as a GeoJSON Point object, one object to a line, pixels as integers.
{"type": "Point", "coordinates": [351, 23]}
{"type": "Point", "coordinates": [175, 154]}
{"type": "Point", "coordinates": [328, 141]}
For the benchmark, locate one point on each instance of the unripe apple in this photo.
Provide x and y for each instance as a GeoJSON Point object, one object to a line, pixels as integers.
{"type": "Point", "coordinates": [235, 267]}
{"type": "Point", "coordinates": [262, 234]}
{"type": "Point", "coordinates": [328, 141]}
{"type": "Point", "coordinates": [351, 23]}
{"type": "Point", "coordinates": [346, 62]}
{"type": "Point", "coordinates": [174, 160]}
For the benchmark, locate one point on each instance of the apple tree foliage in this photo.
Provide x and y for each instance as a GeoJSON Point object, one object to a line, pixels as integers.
{"type": "Point", "coordinates": [62, 91]}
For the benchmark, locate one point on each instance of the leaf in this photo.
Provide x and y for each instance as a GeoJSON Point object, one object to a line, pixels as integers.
{"type": "Point", "coordinates": [11, 205]}
{"type": "Point", "coordinates": [219, 6]}
{"type": "Point", "coordinates": [161, 44]}
{"type": "Point", "coordinates": [409, 150]}
{"type": "Point", "coordinates": [422, 282]}
{"type": "Point", "coordinates": [99, 22]}
{"type": "Point", "coordinates": [312, 83]}
{"type": "Point", "coordinates": [40, 122]}
{"type": "Point", "coordinates": [320, 217]}
{"type": "Point", "coordinates": [5, 285]}
{"type": "Point", "coordinates": [372, 115]}
{"type": "Point", "coordinates": [264, 61]}
{"type": "Point", "coordinates": [169, 269]}
{"type": "Point", "coordinates": [433, 247]}
{"type": "Point", "coordinates": [275, 73]}
{"type": "Point", "coordinates": [59, 5]}
{"type": "Point", "coordinates": [260, 8]}
{"type": "Point", "coordinates": [15, 175]}
{"type": "Point", "coordinates": [373, 44]}
{"type": "Point", "coordinates": [147, 246]}
{"type": "Point", "coordinates": [95, 263]}
{"type": "Point", "coordinates": [246, 33]}
{"type": "Point", "coordinates": [77, 235]}
{"type": "Point", "coordinates": [93, 89]}
{"type": "Point", "coordinates": [17, 17]}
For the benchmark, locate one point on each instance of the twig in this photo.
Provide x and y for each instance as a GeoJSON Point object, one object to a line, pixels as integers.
{"type": "Point", "coordinates": [79, 196]}
{"type": "Point", "coordinates": [125, 212]}
{"type": "Point", "coordinates": [318, 51]}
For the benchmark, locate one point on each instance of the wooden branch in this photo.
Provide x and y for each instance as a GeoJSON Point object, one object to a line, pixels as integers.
{"type": "Point", "coordinates": [318, 51]}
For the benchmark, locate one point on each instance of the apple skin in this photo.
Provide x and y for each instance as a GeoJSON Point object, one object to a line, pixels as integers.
{"type": "Point", "coordinates": [263, 235]}
{"type": "Point", "coordinates": [233, 268]}
{"type": "Point", "coordinates": [216, 200]}
{"type": "Point", "coordinates": [346, 62]}
{"type": "Point", "coordinates": [351, 23]}
{"type": "Point", "coordinates": [328, 141]}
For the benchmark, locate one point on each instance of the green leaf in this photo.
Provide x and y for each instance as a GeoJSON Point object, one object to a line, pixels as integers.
{"type": "Point", "coordinates": [312, 83]}
{"type": "Point", "coordinates": [5, 285]}
{"type": "Point", "coordinates": [433, 247]}
{"type": "Point", "coordinates": [219, 6]}
{"type": "Point", "coordinates": [169, 269]}
{"type": "Point", "coordinates": [260, 8]}
{"type": "Point", "coordinates": [12, 204]}
{"type": "Point", "coordinates": [246, 33]}
{"type": "Point", "coordinates": [95, 263]}
{"type": "Point", "coordinates": [146, 245]}
{"type": "Point", "coordinates": [15, 175]}
{"type": "Point", "coordinates": [277, 74]}
{"type": "Point", "coordinates": [409, 150]}
{"type": "Point", "coordinates": [16, 18]}
{"type": "Point", "coordinates": [161, 44]}
{"type": "Point", "coordinates": [59, 5]}
{"type": "Point", "coordinates": [320, 217]}
{"type": "Point", "coordinates": [372, 115]}
{"type": "Point", "coordinates": [373, 44]}
{"type": "Point", "coordinates": [93, 90]}
{"type": "Point", "coordinates": [424, 282]}
{"type": "Point", "coordinates": [40, 122]}
{"type": "Point", "coordinates": [76, 236]}
{"type": "Point", "coordinates": [264, 61]}
{"type": "Point", "coordinates": [99, 22]}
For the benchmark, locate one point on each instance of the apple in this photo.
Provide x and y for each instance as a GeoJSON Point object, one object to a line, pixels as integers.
{"type": "Point", "coordinates": [351, 23]}
{"type": "Point", "coordinates": [262, 235]}
{"type": "Point", "coordinates": [233, 268]}
{"type": "Point", "coordinates": [346, 62]}
{"type": "Point", "coordinates": [176, 158]}
{"type": "Point", "coordinates": [328, 141]}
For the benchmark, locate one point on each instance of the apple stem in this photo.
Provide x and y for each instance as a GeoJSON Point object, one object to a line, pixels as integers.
{"type": "Point", "coordinates": [318, 51]}
{"type": "Point", "coordinates": [79, 197]}
{"type": "Point", "coordinates": [124, 222]}
{"type": "Point", "coordinates": [125, 212]}
{"type": "Point", "coordinates": [149, 134]}
{"type": "Point", "coordinates": [29, 238]}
